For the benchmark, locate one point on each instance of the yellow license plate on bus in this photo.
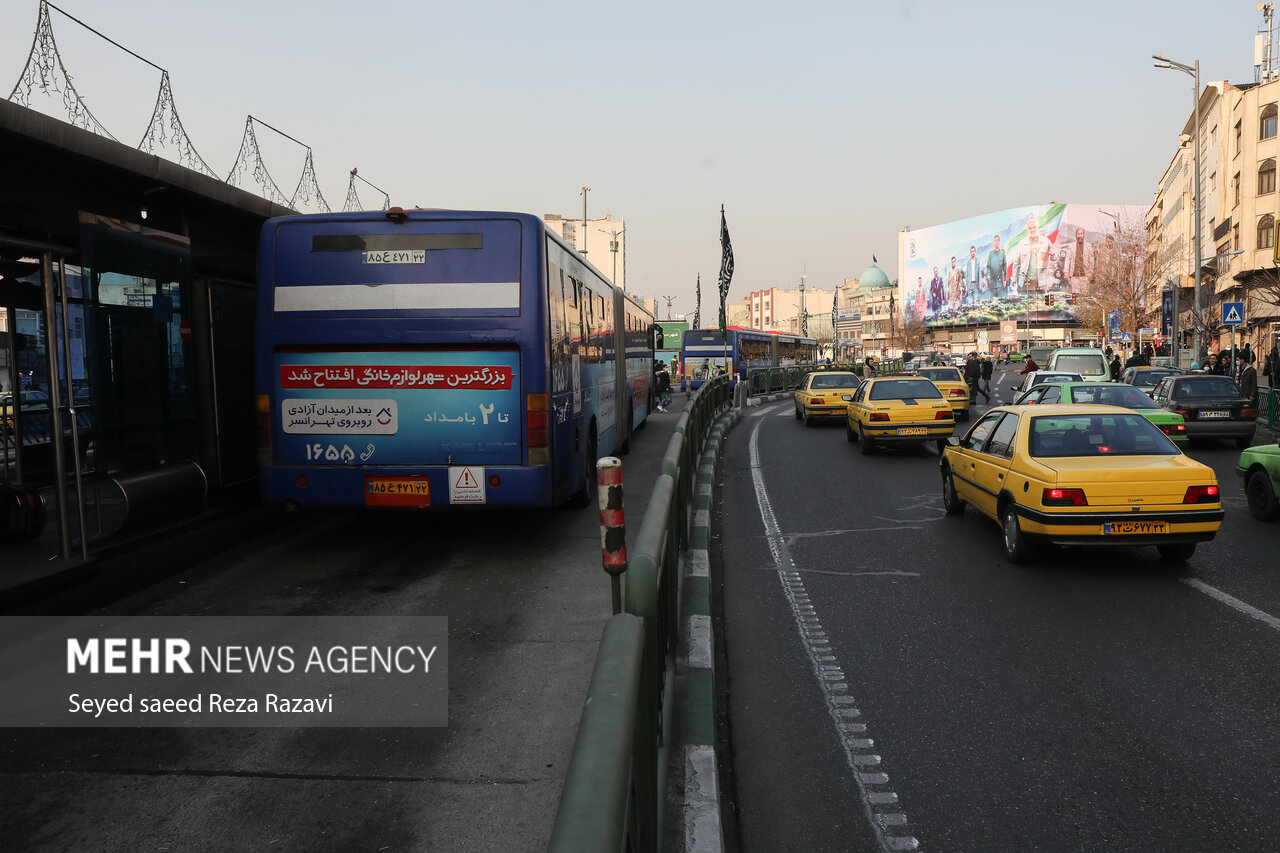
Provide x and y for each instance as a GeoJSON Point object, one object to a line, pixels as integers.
{"type": "Point", "coordinates": [397, 491]}
{"type": "Point", "coordinates": [1113, 528]}
{"type": "Point", "coordinates": [913, 431]}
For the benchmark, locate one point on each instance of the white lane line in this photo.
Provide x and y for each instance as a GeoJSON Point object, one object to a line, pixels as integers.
{"type": "Point", "coordinates": [1248, 610]}
{"type": "Point", "coordinates": [889, 826]}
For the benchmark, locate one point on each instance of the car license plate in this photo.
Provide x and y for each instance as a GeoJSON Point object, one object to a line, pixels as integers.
{"type": "Point", "coordinates": [397, 491]}
{"type": "Point", "coordinates": [1112, 528]}
{"type": "Point", "coordinates": [1215, 413]}
{"type": "Point", "coordinates": [913, 431]}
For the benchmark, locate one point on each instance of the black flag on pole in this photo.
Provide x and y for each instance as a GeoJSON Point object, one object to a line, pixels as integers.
{"type": "Point", "coordinates": [697, 305]}
{"type": "Point", "coordinates": [835, 316]}
{"type": "Point", "coordinates": [726, 266]}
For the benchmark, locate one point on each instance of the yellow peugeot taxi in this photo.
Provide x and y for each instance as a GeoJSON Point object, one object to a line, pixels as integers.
{"type": "Point", "coordinates": [897, 408]}
{"type": "Point", "coordinates": [823, 394]}
{"type": "Point", "coordinates": [950, 382]}
{"type": "Point", "coordinates": [1080, 475]}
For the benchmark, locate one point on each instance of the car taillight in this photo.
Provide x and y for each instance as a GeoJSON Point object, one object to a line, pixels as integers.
{"type": "Point", "coordinates": [535, 424]}
{"type": "Point", "coordinates": [816, 401]}
{"type": "Point", "coordinates": [1064, 497]}
{"type": "Point", "coordinates": [879, 416]}
{"type": "Point", "coordinates": [944, 415]}
{"type": "Point", "coordinates": [1201, 495]}
{"type": "Point", "coordinates": [1174, 429]}
{"type": "Point", "coordinates": [1248, 412]}
{"type": "Point", "coordinates": [1186, 413]}
{"type": "Point", "coordinates": [958, 392]}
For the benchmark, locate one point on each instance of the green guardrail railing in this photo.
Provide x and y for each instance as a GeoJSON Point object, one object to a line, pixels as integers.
{"type": "Point", "coordinates": [1269, 408]}
{"type": "Point", "coordinates": [771, 380]}
{"type": "Point", "coordinates": [615, 787]}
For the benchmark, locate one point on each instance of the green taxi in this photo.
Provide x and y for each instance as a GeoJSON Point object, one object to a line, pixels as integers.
{"type": "Point", "coordinates": [1107, 394]}
{"type": "Point", "coordinates": [1259, 473]}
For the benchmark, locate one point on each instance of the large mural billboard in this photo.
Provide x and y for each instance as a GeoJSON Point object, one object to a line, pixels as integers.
{"type": "Point", "coordinates": [1005, 265]}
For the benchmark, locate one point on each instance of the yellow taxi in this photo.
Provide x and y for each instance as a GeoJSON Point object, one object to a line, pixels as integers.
{"type": "Point", "coordinates": [950, 382]}
{"type": "Point", "coordinates": [1080, 475]}
{"type": "Point", "coordinates": [897, 408]}
{"type": "Point", "coordinates": [822, 394]}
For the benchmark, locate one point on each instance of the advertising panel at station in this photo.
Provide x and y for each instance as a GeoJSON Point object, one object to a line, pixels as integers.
{"type": "Point", "coordinates": [1008, 264]}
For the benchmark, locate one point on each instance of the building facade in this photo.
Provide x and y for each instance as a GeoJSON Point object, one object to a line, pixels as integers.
{"type": "Point", "coordinates": [602, 240]}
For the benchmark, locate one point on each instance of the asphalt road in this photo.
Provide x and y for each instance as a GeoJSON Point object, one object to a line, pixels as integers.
{"type": "Point", "coordinates": [893, 683]}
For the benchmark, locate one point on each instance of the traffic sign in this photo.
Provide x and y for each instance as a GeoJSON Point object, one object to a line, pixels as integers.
{"type": "Point", "coordinates": [1126, 338]}
{"type": "Point", "coordinates": [1232, 313]}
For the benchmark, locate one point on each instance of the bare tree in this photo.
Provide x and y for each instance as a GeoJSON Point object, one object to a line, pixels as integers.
{"type": "Point", "coordinates": [911, 332]}
{"type": "Point", "coordinates": [1126, 278]}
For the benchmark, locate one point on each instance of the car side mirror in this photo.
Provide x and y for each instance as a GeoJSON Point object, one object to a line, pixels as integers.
{"type": "Point", "coordinates": [848, 398]}
{"type": "Point", "coordinates": [952, 441]}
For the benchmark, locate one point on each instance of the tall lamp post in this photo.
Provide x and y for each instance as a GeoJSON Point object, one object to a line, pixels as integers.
{"type": "Point", "coordinates": [804, 327]}
{"type": "Point", "coordinates": [613, 247]}
{"type": "Point", "coordinates": [1194, 72]}
{"type": "Point", "coordinates": [585, 190]}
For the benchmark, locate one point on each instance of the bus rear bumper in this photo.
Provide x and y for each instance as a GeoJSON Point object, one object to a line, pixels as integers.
{"type": "Point", "coordinates": [446, 487]}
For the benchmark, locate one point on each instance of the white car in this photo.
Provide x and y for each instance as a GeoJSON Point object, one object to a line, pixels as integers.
{"type": "Point", "coordinates": [1039, 377]}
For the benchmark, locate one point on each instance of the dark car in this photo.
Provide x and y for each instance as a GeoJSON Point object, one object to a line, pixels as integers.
{"type": "Point", "coordinates": [1212, 406]}
{"type": "Point", "coordinates": [1147, 378]}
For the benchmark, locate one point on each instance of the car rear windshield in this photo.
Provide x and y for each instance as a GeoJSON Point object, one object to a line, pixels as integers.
{"type": "Point", "coordinates": [834, 380]}
{"type": "Point", "coordinates": [1205, 387]}
{"type": "Point", "coordinates": [905, 389]}
{"type": "Point", "coordinates": [1084, 364]}
{"type": "Point", "coordinates": [942, 374]}
{"type": "Point", "coordinates": [1097, 435]}
{"type": "Point", "coordinates": [1112, 395]}
{"type": "Point", "coordinates": [1041, 378]}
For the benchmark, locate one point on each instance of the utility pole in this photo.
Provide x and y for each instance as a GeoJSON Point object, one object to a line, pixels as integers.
{"type": "Point", "coordinates": [585, 190]}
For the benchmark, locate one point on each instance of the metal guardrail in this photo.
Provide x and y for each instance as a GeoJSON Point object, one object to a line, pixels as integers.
{"type": "Point", "coordinates": [770, 380]}
{"type": "Point", "coordinates": [614, 793]}
{"type": "Point", "coordinates": [1269, 408]}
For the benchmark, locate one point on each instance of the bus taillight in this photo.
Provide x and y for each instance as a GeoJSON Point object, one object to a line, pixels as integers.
{"type": "Point", "coordinates": [263, 406]}
{"type": "Point", "coordinates": [536, 433]}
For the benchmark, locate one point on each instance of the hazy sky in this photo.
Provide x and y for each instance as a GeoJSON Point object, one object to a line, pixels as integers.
{"type": "Point", "coordinates": [823, 128]}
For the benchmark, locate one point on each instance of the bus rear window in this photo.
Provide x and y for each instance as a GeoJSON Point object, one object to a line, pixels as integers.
{"type": "Point", "coordinates": [424, 268]}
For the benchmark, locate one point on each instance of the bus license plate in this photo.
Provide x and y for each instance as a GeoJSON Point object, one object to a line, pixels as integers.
{"type": "Point", "coordinates": [1113, 528]}
{"type": "Point", "coordinates": [913, 431]}
{"type": "Point", "coordinates": [397, 491]}
{"type": "Point", "coordinates": [1215, 413]}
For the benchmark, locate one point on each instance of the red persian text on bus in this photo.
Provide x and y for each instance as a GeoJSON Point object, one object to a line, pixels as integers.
{"type": "Point", "coordinates": [398, 376]}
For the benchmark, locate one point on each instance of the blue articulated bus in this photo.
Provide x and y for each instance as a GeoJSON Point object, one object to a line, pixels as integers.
{"type": "Point", "coordinates": [441, 359]}
{"type": "Point", "coordinates": [705, 352]}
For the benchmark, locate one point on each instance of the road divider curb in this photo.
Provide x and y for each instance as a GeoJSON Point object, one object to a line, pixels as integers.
{"type": "Point", "coordinates": [703, 830]}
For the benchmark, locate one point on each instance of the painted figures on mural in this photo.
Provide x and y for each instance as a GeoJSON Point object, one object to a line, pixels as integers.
{"type": "Point", "coordinates": [1006, 265]}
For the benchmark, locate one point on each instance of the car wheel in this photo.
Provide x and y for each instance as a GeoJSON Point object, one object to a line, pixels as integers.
{"type": "Point", "coordinates": [950, 500]}
{"type": "Point", "coordinates": [1262, 498]}
{"type": "Point", "coordinates": [962, 415]}
{"type": "Point", "coordinates": [1177, 552]}
{"type": "Point", "coordinates": [584, 497]}
{"type": "Point", "coordinates": [866, 445]}
{"type": "Point", "coordinates": [1016, 547]}
{"type": "Point", "coordinates": [1244, 441]}
{"type": "Point", "coordinates": [808, 421]}
{"type": "Point", "coordinates": [798, 415]}
{"type": "Point", "coordinates": [849, 434]}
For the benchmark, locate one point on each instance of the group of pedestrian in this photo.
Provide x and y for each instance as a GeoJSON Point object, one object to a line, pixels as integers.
{"type": "Point", "coordinates": [662, 385]}
{"type": "Point", "coordinates": [977, 375]}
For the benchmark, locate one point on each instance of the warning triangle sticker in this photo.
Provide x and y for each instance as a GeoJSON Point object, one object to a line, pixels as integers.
{"type": "Point", "coordinates": [1233, 316]}
{"type": "Point", "coordinates": [465, 480]}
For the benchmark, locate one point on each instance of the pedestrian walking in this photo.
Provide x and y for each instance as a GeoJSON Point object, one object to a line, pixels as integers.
{"type": "Point", "coordinates": [1249, 378]}
{"type": "Point", "coordinates": [972, 376]}
{"type": "Point", "coordinates": [987, 368]}
{"type": "Point", "coordinates": [867, 370]}
{"type": "Point", "coordinates": [662, 385]}
{"type": "Point", "coordinates": [1116, 367]}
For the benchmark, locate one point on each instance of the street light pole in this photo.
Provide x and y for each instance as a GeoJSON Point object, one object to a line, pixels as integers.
{"type": "Point", "coordinates": [585, 190]}
{"type": "Point", "coordinates": [1194, 72]}
{"type": "Point", "coordinates": [803, 329]}
{"type": "Point", "coordinates": [613, 247]}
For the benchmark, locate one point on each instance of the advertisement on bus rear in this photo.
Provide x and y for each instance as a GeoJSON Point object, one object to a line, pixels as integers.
{"type": "Point", "coordinates": [397, 408]}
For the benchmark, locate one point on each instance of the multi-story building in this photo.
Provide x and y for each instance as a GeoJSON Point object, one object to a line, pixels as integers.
{"type": "Point", "coordinates": [848, 331]}
{"type": "Point", "coordinates": [877, 309]}
{"type": "Point", "coordinates": [776, 309]}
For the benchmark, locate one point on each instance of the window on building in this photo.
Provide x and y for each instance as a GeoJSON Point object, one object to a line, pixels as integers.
{"type": "Point", "coordinates": [1267, 122]}
{"type": "Point", "coordinates": [1235, 237]}
{"type": "Point", "coordinates": [1213, 182]}
{"type": "Point", "coordinates": [1267, 177]}
{"type": "Point", "coordinates": [1239, 135]}
{"type": "Point", "coordinates": [1266, 232]}
{"type": "Point", "coordinates": [1235, 188]}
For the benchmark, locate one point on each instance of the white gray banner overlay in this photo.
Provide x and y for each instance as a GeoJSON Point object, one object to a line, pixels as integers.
{"type": "Point", "coordinates": [224, 671]}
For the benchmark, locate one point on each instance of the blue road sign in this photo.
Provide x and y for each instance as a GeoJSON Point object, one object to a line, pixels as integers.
{"type": "Point", "coordinates": [1232, 313]}
{"type": "Point", "coordinates": [1126, 338]}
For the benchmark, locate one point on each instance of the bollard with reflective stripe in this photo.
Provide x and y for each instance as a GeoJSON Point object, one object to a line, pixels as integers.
{"type": "Point", "coordinates": [613, 523]}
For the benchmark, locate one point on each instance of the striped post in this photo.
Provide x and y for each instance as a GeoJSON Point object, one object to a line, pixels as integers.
{"type": "Point", "coordinates": [613, 524]}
